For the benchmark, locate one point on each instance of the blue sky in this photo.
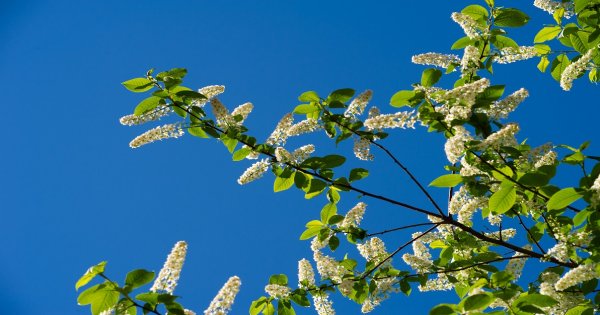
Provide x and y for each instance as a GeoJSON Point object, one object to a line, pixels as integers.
{"type": "Point", "coordinates": [73, 193]}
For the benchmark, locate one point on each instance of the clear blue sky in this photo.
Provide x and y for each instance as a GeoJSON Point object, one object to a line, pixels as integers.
{"type": "Point", "coordinates": [73, 193]}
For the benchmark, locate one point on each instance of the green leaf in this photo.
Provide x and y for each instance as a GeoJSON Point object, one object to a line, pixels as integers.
{"type": "Point", "coordinates": [316, 187]}
{"type": "Point", "coordinates": [578, 44]}
{"type": "Point", "coordinates": [197, 132]}
{"type": "Point", "coordinates": [503, 199]}
{"type": "Point", "coordinates": [461, 43]}
{"type": "Point", "coordinates": [90, 274]}
{"type": "Point", "coordinates": [503, 42]}
{"type": "Point", "coordinates": [331, 161]}
{"type": "Point", "coordinates": [334, 242]}
{"type": "Point", "coordinates": [563, 198]}
{"type": "Point", "coordinates": [147, 105]}
{"type": "Point", "coordinates": [309, 96]}
{"type": "Point", "coordinates": [283, 183]}
{"type": "Point", "coordinates": [477, 302]}
{"type": "Point", "coordinates": [542, 49]}
{"type": "Point", "coordinates": [511, 17]}
{"type": "Point", "coordinates": [581, 310]}
{"type": "Point", "coordinates": [284, 307]}
{"type": "Point", "coordinates": [357, 174]}
{"type": "Point", "coordinates": [328, 211]}
{"type": "Point", "coordinates": [138, 85]}
{"type": "Point", "coordinates": [543, 64]}
{"type": "Point", "coordinates": [269, 309]}
{"type": "Point", "coordinates": [138, 278]}
{"type": "Point", "coordinates": [594, 75]}
{"type": "Point", "coordinates": [430, 77]}
{"type": "Point", "coordinates": [546, 33]}
{"type": "Point", "coordinates": [536, 299]}
{"type": "Point", "coordinates": [475, 11]}
{"type": "Point", "coordinates": [230, 143]}
{"type": "Point", "coordinates": [443, 309]}
{"type": "Point", "coordinates": [306, 108]}
{"type": "Point", "coordinates": [149, 297]}
{"type": "Point", "coordinates": [258, 305]}
{"type": "Point", "coordinates": [280, 279]}
{"type": "Point", "coordinates": [341, 95]}
{"type": "Point", "coordinates": [558, 66]}
{"type": "Point", "coordinates": [101, 297]}
{"type": "Point", "coordinates": [405, 98]}
{"type": "Point", "coordinates": [310, 233]}
{"type": "Point", "coordinates": [448, 180]}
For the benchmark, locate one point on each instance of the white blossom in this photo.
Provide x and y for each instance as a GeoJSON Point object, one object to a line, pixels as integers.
{"type": "Point", "coordinates": [440, 283]}
{"type": "Point", "coordinates": [502, 137]}
{"type": "Point", "coordinates": [362, 149]}
{"type": "Point", "coordinates": [547, 159]}
{"type": "Point", "coordinates": [575, 69]}
{"type": "Point", "coordinates": [551, 6]}
{"type": "Point", "coordinates": [373, 250]}
{"type": "Point", "coordinates": [167, 278]}
{"type": "Point", "coordinates": [566, 300]}
{"type": "Point", "coordinates": [512, 54]}
{"type": "Point", "coordinates": [304, 126]}
{"type": "Point", "coordinates": [354, 216]}
{"type": "Point", "coordinates": [455, 145]}
{"type": "Point", "coordinates": [328, 267]}
{"type": "Point", "coordinates": [323, 305]}
{"type": "Point", "coordinates": [358, 104]}
{"type": "Point", "coordinates": [210, 92]}
{"type": "Point", "coordinates": [560, 252]}
{"type": "Point", "coordinates": [222, 302]}
{"type": "Point", "coordinates": [515, 265]}
{"type": "Point", "coordinates": [398, 120]}
{"type": "Point", "coordinates": [221, 113]}
{"type": "Point", "coordinates": [254, 172]}
{"type": "Point", "coordinates": [242, 110]}
{"type": "Point", "coordinates": [277, 291]}
{"type": "Point", "coordinates": [280, 134]}
{"type": "Point", "coordinates": [502, 108]}
{"type": "Point", "coordinates": [468, 24]}
{"type": "Point", "coordinates": [435, 59]}
{"type": "Point", "coordinates": [306, 274]}
{"type": "Point", "coordinates": [157, 133]}
{"type": "Point", "coordinates": [595, 199]}
{"type": "Point", "coordinates": [470, 60]}
{"type": "Point", "coordinates": [576, 276]}
{"type": "Point", "coordinates": [155, 114]}
{"type": "Point", "coordinates": [188, 312]}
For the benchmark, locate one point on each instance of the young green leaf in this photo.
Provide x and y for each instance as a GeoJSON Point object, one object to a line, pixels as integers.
{"type": "Point", "coordinates": [138, 85]}
{"type": "Point", "coordinates": [503, 199]}
{"type": "Point", "coordinates": [477, 302]}
{"type": "Point", "coordinates": [563, 198]}
{"type": "Point", "coordinates": [90, 274]}
{"type": "Point", "coordinates": [358, 173]}
{"type": "Point", "coordinates": [147, 105]}
{"type": "Point", "coordinates": [138, 278]}
{"type": "Point", "coordinates": [283, 183]}
{"type": "Point", "coordinates": [448, 180]}
{"type": "Point", "coordinates": [430, 77]}
{"type": "Point", "coordinates": [511, 17]}
{"type": "Point", "coordinates": [547, 33]}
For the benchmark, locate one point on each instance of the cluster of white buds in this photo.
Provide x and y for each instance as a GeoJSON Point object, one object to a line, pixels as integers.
{"type": "Point", "coordinates": [547, 159]}
{"type": "Point", "coordinates": [435, 59]}
{"type": "Point", "coordinates": [354, 216]}
{"type": "Point", "coordinates": [455, 145]}
{"type": "Point", "coordinates": [512, 54]}
{"type": "Point", "coordinates": [502, 137]}
{"type": "Point", "coordinates": [296, 157]}
{"type": "Point", "coordinates": [503, 235]}
{"type": "Point", "coordinates": [323, 304]}
{"type": "Point", "coordinates": [155, 114]}
{"type": "Point", "coordinates": [306, 274]}
{"type": "Point", "coordinates": [210, 92]}
{"type": "Point", "coordinates": [468, 24]}
{"type": "Point", "coordinates": [470, 61]}
{"type": "Point", "coordinates": [304, 126]}
{"type": "Point", "coordinates": [362, 149]}
{"type": "Point", "coordinates": [280, 134]}
{"type": "Point", "coordinates": [157, 133]}
{"type": "Point", "coordinates": [222, 302]}
{"type": "Point", "coordinates": [560, 252]}
{"type": "Point", "coordinates": [566, 300]}
{"type": "Point", "coordinates": [515, 265]}
{"type": "Point", "coordinates": [595, 200]}
{"type": "Point", "coordinates": [358, 104]}
{"type": "Point", "coordinates": [398, 120]}
{"type": "Point", "coordinates": [373, 250]}
{"type": "Point", "coordinates": [440, 283]}
{"type": "Point", "coordinates": [277, 291]}
{"type": "Point", "coordinates": [465, 94]}
{"type": "Point", "coordinates": [575, 69]}
{"type": "Point", "coordinates": [551, 6]}
{"type": "Point", "coordinates": [502, 108]}
{"type": "Point", "coordinates": [224, 118]}
{"type": "Point", "coordinates": [167, 278]}
{"type": "Point", "coordinates": [254, 172]}
{"type": "Point", "coordinates": [576, 276]}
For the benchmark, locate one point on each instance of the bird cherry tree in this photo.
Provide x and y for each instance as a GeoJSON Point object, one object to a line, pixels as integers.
{"type": "Point", "coordinates": [499, 187]}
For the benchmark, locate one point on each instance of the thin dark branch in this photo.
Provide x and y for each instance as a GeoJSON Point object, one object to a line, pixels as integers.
{"type": "Point", "coordinates": [400, 228]}
{"type": "Point", "coordinates": [529, 232]}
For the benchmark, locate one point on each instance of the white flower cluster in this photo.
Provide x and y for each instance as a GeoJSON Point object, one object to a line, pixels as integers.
{"type": "Point", "coordinates": [188, 312]}
{"type": "Point", "coordinates": [155, 114]}
{"type": "Point", "coordinates": [465, 205]}
{"type": "Point", "coordinates": [560, 252]}
{"type": "Point", "coordinates": [323, 305]}
{"type": "Point", "coordinates": [512, 54]}
{"type": "Point", "coordinates": [468, 24]}
{"type": "Point", "coordinates": [374, 251]}
{"type": "Point", "coordinates": [595, 200]}
{"type": "Point", "coordinates": [304, 126]}
{"type": "Point", "coordinates": [566, 300]}
{"type": "Point", "coordinates": [506, 234]}
{"type": "Point", "coordinates": [515, 265]}
{"type": "Point", "coordinates": [358, 104]}
{"type": "Point", "coordinates": [167, 278]}
{"type": "Point", "coordinates": [576, 276]}
{"type": "Point", "coordinates": [210, 92]}
{"type": "Point", "coordinates": [470, 61]}
{"type": "Point", "coordinates": [354, 216]}
{"type": "Point", "coordinates": [551, 6]}
{"type": "Point", "coordinates": [440, 283]}
{"type": "Point", "coordinates": [575, 69]}
{"type": "Point", "coordinates": [435, 59]}
{"type": "Point", "coordinates": [157, 133]}
{"type": "Point", "coordinates": [467, 169]}
{"type": "Point", "coordinates": [362, 149]}
{"type": "Point", "coordinates": [306, 275]}
{"type": "Point", "coordinates": [502, 108]}
{"type": "Point", "coordinates": [382, 292]}
{"type": "Point", "coordinates": [421, 260]}
{"type": "Point", "coordinates": [455, 145]}
{"type": "Point", "coordinates": [222, 302]}
{"type": "Point", "coordinates": [503, 137]}
{"type": "Point", "coordinates": [328, 267]}
{"type": "Point", "coordinates": [277, 291]}
{"type": "Point", "coordinates": [296, 157]}
{"type": "Point", "coordinates": [224, 118]}
{"type": "Point", "coordinates": [398, 120]}
{"type": "Point", "coordinates": [280, 134]}
{"type": "Point", "coordinates": [465, 94]}
{"type": "Point", "coordinates": [547, 159]}
{"type": "Point", "coordinates": [255, 171]}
